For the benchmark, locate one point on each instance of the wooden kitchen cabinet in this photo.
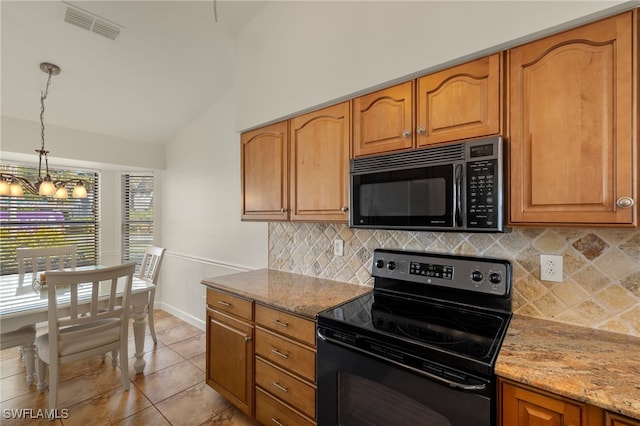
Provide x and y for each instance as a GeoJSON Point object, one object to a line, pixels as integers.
{"type": "Point", "coordinates": [612, 419]}
{"type": "Point", "coordinates": [383, 121]}
{"type": "Point", "coordinates": [265, 173]}
{"type": "Point", "coordinates": [573, 153]}
{"type": "Point", "coordinates": [461, 102]}
{"type": "Point", "coordinates": [319, 163]}
{"type": "Point", "coordinates": [230, 351]}
{"type": "Point", "coordinates": [285, 367]}
{"type": "Point", "coordinates": [523, 406]}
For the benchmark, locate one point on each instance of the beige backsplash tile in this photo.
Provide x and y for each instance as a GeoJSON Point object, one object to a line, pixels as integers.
{"type": "Point", "coordinates": [601, 287]}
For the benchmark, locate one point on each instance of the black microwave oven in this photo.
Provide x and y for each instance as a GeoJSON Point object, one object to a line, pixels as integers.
{"type": "Point", "coordinates": [450, 187]}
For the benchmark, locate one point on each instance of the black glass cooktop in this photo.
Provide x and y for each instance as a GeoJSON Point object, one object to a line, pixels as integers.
{"type": "Point", "coordinates": [422, 327]}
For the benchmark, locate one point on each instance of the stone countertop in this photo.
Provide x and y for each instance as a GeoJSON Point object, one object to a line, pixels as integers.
{"type": "Point", "coordinates": [593, 366]}
{"type": "Point", "coordinates": [299, 294]}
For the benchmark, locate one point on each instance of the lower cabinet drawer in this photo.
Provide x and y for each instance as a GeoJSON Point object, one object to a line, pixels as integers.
{"type": "Point", "coordinates": [271, 412]}
{"type": "Point", "coordinates": [284, 386]}
{"type": "Point", "coordinates": [286, 354]}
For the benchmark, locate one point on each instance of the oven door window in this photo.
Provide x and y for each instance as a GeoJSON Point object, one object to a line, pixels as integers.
{"type": "Point", "coordinates": [413, 197]}
{"type": "Point", "coordinates": [365, 402]}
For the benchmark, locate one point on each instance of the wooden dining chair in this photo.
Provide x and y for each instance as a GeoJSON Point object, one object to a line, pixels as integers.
{"type": "Point", "coordinates": [46, 258]}
{"type": "Point", "coordinates": [35, 260]}
{"type": "Point", "coordinates": [86, 317]}
{"type": "Point", "coordinates": [150, 271]}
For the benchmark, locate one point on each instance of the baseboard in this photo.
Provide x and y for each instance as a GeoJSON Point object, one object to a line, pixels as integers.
{"type": "Point", "coordinates": [182, 315]}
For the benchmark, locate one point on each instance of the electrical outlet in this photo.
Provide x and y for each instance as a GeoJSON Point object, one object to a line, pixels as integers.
{"type": "Point", "coordinates": [338, 247]}
{"type": "Point", "coordinates": [551, 268]}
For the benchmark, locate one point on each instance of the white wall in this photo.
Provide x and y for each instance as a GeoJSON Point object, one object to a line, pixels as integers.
{"type": "Point", "coordinates": [200, 209]}
{"type": "Point", "coordinates": [76, 148]}
{"type": "Point", "coordinates": [299, 54]}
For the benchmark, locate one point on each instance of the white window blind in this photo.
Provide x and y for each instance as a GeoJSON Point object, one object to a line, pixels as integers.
{"type": "Point", "coordinates": [137, 216]}
{"type": "Point", "coordinates": [37, 221]}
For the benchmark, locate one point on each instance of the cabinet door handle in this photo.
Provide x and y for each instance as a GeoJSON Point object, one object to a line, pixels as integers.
{"type": "Point", "coordinates": [280, 323]}
{"type": "Point", "coordinates": [247, 338]}
{"type": "Point", "coordinates": [625, 202]}
{"type": "Point", "coordinates": [344, 209]}
{"type": "Point", "coordinates": [223, 303]}
{"type": "Point", "coordinates": [277, 352]}
{"type": "Point", "coordinates": [406, 133]}
{"type": "Point", "coordinates": [283, 210]}
{"type": "Point", "coordinates": [420, 130]}
{"type": "Point", "coordinates": [279, 386]}
{"type": "Point", "coordinates": [276, 421]}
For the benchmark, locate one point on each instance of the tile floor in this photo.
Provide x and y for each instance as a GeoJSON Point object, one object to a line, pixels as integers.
{"type": "Point", "coordinates": [170, 391]}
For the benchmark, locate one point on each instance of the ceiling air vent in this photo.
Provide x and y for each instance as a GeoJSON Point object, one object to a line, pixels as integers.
{"type": "Point", "coordinates": [91, 22]}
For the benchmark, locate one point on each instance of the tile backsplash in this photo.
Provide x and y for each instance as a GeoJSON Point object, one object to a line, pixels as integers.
{"type": "Point", "coordinates": [601, 282]}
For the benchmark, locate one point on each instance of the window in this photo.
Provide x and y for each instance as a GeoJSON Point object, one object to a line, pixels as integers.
{"type": "Point", "coordinates": [137, 216]}
{"type": "Point", "coordinates": [37, 221]}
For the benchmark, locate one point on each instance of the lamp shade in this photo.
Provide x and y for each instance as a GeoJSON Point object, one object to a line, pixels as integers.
{"type": "Point", "coordinates": [4, 187]}
{"type": "Point", "coordinates": [61, 192]}
{"type": "Point", "coordinates": [79, 191]}
{"type": "Point", "coordinates": [46, 187]}
{"type": "Point", "coordinates": [16, 189]}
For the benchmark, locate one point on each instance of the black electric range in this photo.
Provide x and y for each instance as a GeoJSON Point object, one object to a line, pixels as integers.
{"type": "Point", "coordinates": [441, 318]}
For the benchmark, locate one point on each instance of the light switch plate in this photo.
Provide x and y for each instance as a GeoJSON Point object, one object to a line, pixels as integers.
{"type": "Point", "coordinates": [338, 247]}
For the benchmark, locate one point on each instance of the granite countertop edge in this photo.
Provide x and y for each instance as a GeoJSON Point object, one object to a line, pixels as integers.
{"type": "Point", "coordinates": [587, 365]}
{"type": "Point", "coordinates": [299, 294]}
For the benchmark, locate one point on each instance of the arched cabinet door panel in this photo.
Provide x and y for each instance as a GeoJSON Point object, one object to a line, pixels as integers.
{"type": "Point", "coordinates": [572, 143]}
{"type": "Point", "coordinates": [265, 173]}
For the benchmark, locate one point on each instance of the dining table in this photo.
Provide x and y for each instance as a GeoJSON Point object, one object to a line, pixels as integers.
{"type": "Point", "coordinates": [24, 301]}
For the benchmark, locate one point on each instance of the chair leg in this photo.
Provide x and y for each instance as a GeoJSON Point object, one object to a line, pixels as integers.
{"type": "Point", "coordinates": [28, 352]}
{"type": "Point", "coordinates": [152, 328]}
{"type": "Point", "coordinates": [124, 365]}
{"type": "Point", "coordinates": [53, 386]}
{"type": "Point", "coordinates": [40, 373]}
{"type": "Point", "coordinates": [114, 358]}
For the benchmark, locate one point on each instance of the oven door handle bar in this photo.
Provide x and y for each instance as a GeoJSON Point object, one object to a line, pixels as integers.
{"type": "Point", "coordinates": [450, 383]}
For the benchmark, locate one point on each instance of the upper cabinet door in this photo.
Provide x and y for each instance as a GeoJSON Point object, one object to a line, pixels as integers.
{"type": "Point", "coordinates": [265, 173]}
{"type": "Point", "coordinates": [572, 143]}
{"type": "Point", "coordinates": [320, 143]}
{"type": "Point", "coordinates": [461, 102]}
{"type": "Point", "coordinates": [383, 120]}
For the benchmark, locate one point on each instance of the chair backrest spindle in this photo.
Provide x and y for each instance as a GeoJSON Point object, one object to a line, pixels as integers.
{"type": "Point", "coordinates": [46, 259]}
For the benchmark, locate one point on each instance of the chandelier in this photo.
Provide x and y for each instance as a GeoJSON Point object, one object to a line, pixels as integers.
{"type": "Point", "coordinates": [12, 185]}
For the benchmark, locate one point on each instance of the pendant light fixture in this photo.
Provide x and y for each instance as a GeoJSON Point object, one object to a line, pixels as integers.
{"type": "Point", "coordinates": [12, 185]}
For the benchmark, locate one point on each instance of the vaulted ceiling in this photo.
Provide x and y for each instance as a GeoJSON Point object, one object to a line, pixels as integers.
{"type": "Point", "coordinates": [169, 62]}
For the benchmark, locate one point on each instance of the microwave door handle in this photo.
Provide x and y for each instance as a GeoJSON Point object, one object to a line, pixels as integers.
{"type": "Point", "coordinates": [458, 196]}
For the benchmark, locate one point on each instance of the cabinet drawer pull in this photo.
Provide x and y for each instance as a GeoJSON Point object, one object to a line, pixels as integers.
{"type": "Point", "coordinates": [625, 202]}
{"type": "Point", "coordinates": [276, 421]}
{"type": "Point", "coordinates": [277, 352]}
{"type": "Point", "coordinates": [279, 386]}
{"type": "Point", "coordinates": [223, 303]}
{"type": "Point", "coordinates": [280, 323]}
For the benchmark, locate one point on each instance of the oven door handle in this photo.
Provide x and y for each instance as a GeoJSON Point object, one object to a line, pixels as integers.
{"type": "Point", "coordinates": [450, 383]}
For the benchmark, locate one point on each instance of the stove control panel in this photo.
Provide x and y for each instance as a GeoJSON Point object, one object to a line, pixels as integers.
{"type": "Point", "coordinates": [476, 274]}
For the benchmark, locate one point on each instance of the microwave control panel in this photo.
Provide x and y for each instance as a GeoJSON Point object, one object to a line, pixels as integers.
{"type": "Point", "coordinates": [483, 204]}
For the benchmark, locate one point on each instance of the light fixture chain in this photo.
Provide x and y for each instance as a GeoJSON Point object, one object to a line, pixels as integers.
{"type": "Point", "coordinates": [43, 96]}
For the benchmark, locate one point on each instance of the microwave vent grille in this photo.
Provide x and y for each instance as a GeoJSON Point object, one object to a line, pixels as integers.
{"type": "Point", "coordinates": [417, 158]}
